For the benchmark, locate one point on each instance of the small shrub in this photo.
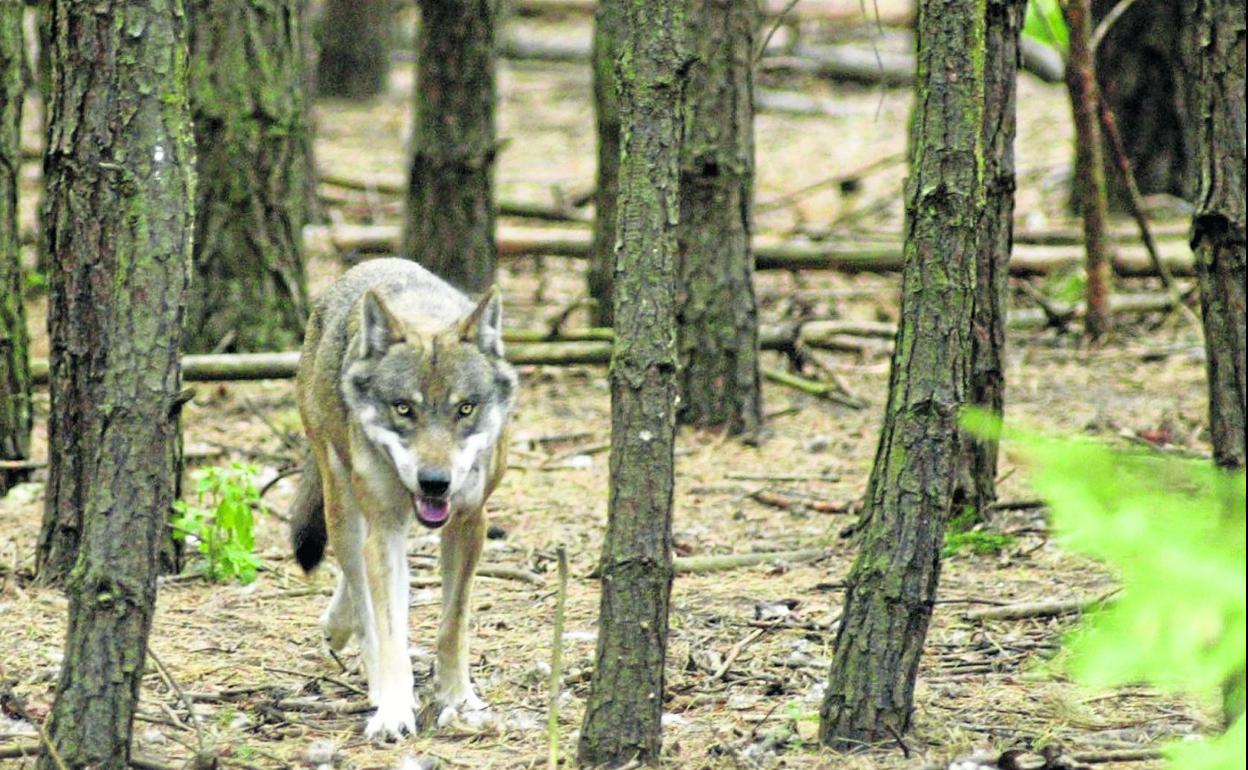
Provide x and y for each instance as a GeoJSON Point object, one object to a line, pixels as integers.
{"type": "Point", "coordinates": [220, 522]}
{"type": "Point", "coordinates": [962, 537]}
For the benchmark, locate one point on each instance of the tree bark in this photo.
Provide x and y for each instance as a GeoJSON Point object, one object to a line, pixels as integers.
{"type": "Point", "coordinates": [354, 42]}
{"type": "Point", "coordinates": [450, 208]}
{"type": "Point", "coordinates": [716, 314]}
{"type": "Point", "coordinates": [1141, 77]}
{"type": "Point", "coordinates": [1089, 167]}
{"type": "Point", "coordinates": [608, 29]}
{"type": "Point", "coordinates": [1003, 24]}
{"type": "Point", "coordinates": [1214, 49]}
{"type": "Point", "coordinates": [15, 414]}
{"type": "Point", "coordinates": [118, 219]}
{"type": "Point", "coordinates": [892, 585]}
{"type": "Point", "coordinates": [254, 151]}
{"type": "Point", "coordinates": [626, 693]}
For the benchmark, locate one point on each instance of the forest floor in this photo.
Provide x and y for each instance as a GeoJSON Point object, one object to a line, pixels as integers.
{"type": "Point", "coordinates": [750, 647]}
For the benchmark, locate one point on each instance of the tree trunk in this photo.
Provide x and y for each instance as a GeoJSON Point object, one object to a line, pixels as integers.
{"type": "Point", "coordinates": [892, 585]}
{"type": "Point", "coordinates": [354, 41]}
{"type": "Point", "coordinates": [717, 317]}
{"type": "Point", "coordinates": [450, 205]}
{"type": "Point", "coordinates": [15, 415]}
{"type": "Point", "coordinates": [118, 222]}
{"type": "Point", "coordinates": [1141, 78]}
{"type": "Point", "coordinates": [1089, 167]}
{"type": "Point", "coordinates": [608, 30]}
{"type": "Point", "coordinates": [1003, 24]}
{"type": "Point", "coordinates": [253, 145]}
{"type": "Point", "coordinates": [1215, 56]}
{"type": "Point", "coordinates": [626, 693]}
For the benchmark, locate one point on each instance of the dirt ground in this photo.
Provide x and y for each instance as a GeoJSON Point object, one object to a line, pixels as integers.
{"type": "Point", "coordinates": [266, 696]}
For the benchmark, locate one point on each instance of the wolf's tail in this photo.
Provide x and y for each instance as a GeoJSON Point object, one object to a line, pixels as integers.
{"type": "Point", "coordinates": [307, 518]}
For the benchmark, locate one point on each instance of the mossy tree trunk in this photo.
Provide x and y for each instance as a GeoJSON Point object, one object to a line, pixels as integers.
{"type": "Point", "coordinates": [608, 28]}
{"type": "Point", "coordinates": [253, 144]}
{"type": "Point", "coordinates": [119, 176]}
{"type": "Point", "coordinates": [1214, 50]}
{"type": "Point", "coordinates": [450, 207]}
{"type": "Point", "coordinates": [354, 41]}
{"type": "Point", "coordinates": [15, 415]}
{"type": "Point", "coordinates": [626, 693]}
{"type": "Point", "coordinates": [1141, 77]}
{"type": "Point", "coordinates": [1003, 24]}
{"type": "Point", "coordinates": [1089, 168]}
{"type": "Point", "coordinates": [716, 313]}
{"type": "Point", "coordinates": [892, 585]}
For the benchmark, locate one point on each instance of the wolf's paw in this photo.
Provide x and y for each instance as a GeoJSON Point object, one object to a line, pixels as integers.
{"type": "Point", "coordinates": [464, 711]}
{"type": "Point", "coordinates": [336, 631]}
{"type": "Point", "coordinates": [394, 718]}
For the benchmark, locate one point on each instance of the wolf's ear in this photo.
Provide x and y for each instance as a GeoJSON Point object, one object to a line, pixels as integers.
{"type": "Point", "coordinates": [483, 327]}
{"type": "Point", "coordinates": [379, 329]}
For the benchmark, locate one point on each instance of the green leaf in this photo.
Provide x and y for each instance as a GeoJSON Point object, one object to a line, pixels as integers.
{"type": "Point", "coordinates": [1044, 24]}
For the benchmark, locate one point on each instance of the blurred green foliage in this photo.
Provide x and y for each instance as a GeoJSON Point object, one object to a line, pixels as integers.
{"type": "Point", "coordinates": [1173, 532]}
{"type": "Point", "coordinates": [1044, 23]}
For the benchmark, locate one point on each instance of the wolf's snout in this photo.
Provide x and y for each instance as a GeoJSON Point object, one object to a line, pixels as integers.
{"type": "Point", "coordinates": [434, 482]}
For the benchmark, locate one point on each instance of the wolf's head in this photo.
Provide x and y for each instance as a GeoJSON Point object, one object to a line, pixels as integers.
{"type": "Point", "coordinates": [433, 404]}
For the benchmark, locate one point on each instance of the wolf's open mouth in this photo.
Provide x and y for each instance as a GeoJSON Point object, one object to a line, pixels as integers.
{"type": "Point", "coordinates": [432, 511]}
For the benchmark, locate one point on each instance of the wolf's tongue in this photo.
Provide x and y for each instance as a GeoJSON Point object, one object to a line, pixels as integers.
{"type": "Point", "coordinates": [432, 511]}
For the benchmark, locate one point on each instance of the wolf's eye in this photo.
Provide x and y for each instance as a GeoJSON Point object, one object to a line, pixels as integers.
{"type": "Point", "coordinates": [402, 408]}
{"type": "Point", "coordinates": [466, 408]}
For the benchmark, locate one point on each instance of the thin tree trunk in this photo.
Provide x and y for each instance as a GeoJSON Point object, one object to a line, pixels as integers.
{"type": "Point", "coordinates": [608, 29]}
{"type": "Point", "coordinates": [450, 207]}
{"type": "Point", "coordinates": [354, 48]}
{"type": "Point", "coordinates": [1089, 167]}
{"type": "Point", "coordinates": [118, 217]}
{"type": "Point", "coordinates": [1004, 22]}
{"type": "Point", "coordinates": [253, 144]}
{"type": "Point", "coordinates": [716, 313]}
{"type": "Point", "coordinates": [892, 585]}
{"type": "Point", "coordinates": [15, 416]}
{"type": "Point", "coordinates": [1215, 55]}
{"type": "Point", "coordinates": [626, 693]}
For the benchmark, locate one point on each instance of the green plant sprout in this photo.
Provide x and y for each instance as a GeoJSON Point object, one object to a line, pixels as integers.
{"type": "Point", "coordinates": [1172, 531]}
{"type": "Point", "coordinates": [220, 522]}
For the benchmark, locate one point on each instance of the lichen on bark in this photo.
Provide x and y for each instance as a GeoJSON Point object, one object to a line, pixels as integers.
{"type": "Point", "coordinates": [892, 586]}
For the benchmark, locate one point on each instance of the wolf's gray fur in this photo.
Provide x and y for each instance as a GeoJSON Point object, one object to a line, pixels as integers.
{"type": "Point", "coordinates": [405, 398]}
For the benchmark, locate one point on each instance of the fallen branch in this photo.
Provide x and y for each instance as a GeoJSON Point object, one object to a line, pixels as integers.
{"type": "Point", "coordinates": [19, 750]}
{"type": "Point", "coordinates": [786, 503]}
{"type": "Point", "coordinates": [863, 64]}
{"type": "Point", "coordinates": [807, 10]}
{"type": "Point", "coordinates": [854, 64]}
{"type": "Point", "coordinates": [1049, 609]}
{"type": "Point", "coordinates": [394, 185]}
{"type": "Point", "coordinates": [593, 346]}
{"type": "Point", "coordinates": [771, 253]}
{"type": "Point", "coordinates": [1118, 755]}
{"type": "Point", "coordinates": [735, 653]}
{"type": "Point", "coordinates": [826, 391]}
{"type": "Point", "coordinates": [691, 565]}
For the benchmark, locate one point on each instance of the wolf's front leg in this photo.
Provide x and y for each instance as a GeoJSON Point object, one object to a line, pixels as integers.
{"type": "Point", "coordinates": [390, 683]}
{"type": "Point", "coordinates": [461, 550]}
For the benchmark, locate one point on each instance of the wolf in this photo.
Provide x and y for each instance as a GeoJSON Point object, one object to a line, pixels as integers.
{"type": "Point", "coordinates": [405, 397]}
